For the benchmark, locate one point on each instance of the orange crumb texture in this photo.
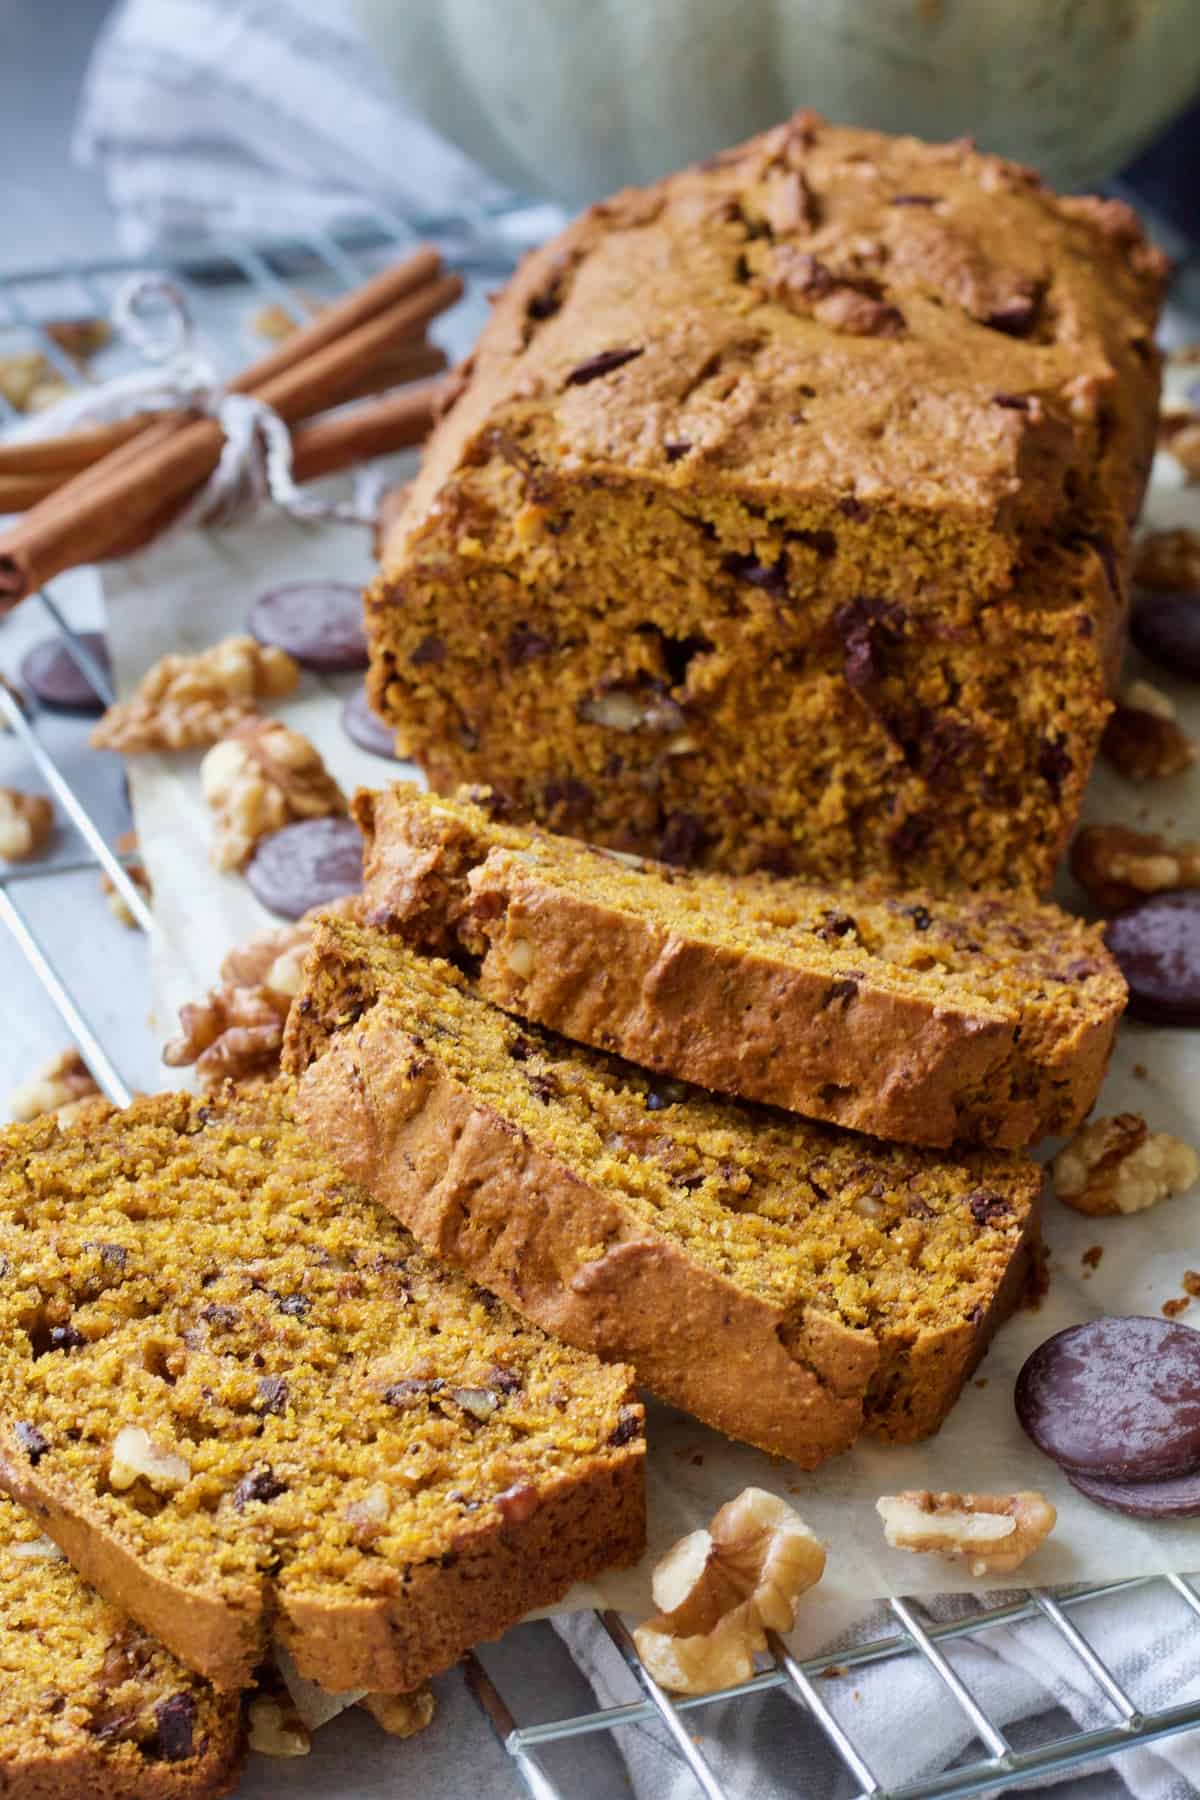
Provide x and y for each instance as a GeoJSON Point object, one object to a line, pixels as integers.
{"type": "Point", "coordinates": [345, 1425]}
{"type": "Point", "coordinates": [770, 442]}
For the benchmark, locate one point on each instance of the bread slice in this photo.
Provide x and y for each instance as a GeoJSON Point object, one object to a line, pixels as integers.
{"type": "Point", "coordinates": [89, 1704]}
{"type": "Point", "coordinates": [785, 1282]}
{"type": "Point", "coordinates": [245, 1405]}
{"type": "Point", "coordinates": [923, 1019]}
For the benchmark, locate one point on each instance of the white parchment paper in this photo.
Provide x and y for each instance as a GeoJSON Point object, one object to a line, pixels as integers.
{"type": "Point", "coordinates": [191, 591]}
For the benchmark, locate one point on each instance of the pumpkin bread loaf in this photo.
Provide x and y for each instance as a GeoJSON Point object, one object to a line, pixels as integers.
{"type": "Point", "coordinates": [89, 1705]}
{"type": "Point", "coordinates": [974, 1019]}
{"type": "Point", "coordinates": [783, 1281]}
{"type": "Point", "coordinates": [245, 1405]}
{"type": "Point", "coordinates": [782, 518]}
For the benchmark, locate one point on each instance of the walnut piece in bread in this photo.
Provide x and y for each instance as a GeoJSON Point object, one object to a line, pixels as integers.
{"type": "Point", "coordinates": [190, 702]}
{"type": "Point", "coordinates": [994, 1533]}
{"type": "Point", "coordinates": [719, 1591]}
{"type": "Point", "coordinates": [258, 780]}
{"type": "Point", "coordinates": [1119, 1165]}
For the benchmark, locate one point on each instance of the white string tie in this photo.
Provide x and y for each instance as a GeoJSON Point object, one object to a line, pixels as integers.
{"type": "Point", "coordinates": [256, 460]}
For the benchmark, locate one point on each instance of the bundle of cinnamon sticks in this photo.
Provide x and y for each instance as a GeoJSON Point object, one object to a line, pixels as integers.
{"type": "Point", "coordinates": [104, 491]}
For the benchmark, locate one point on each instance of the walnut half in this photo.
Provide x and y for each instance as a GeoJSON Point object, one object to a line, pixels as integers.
{"type": "Point", "coordinates": [236, 1032]}
{"type": "Point", "coordinates": [189, 702]}
{"type": "Point", "coordinates": [1168, 561]}
{"type": "Point", "coordinates": [719, 1591]}
{"type": "Point", "coordinates": [263, 777]}
{"type": "Point", "coordinates": [26, 821]}
{"type": "Point", "coordinates": [1145, 743]}
{"type": "Point", "coordinates": [400, 1715]}
{"type": "Point", "coordinates": [994, 1533]}
{"type": "Point", "coordinates": [1117, 866]}
{"type": "Point", "coordinates": [1119, 1165]}
{"type": "Point", "coordinates": [63, 1086]}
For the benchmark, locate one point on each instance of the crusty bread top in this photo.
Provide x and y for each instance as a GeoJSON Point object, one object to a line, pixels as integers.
{"type": "Point", "coordinates": [827, 312]}
{"type": "Point", "coordinates": [927, 1018]}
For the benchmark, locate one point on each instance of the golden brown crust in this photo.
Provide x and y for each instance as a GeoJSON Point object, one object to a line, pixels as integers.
{"type": "Point", "coordinates": [364, 1455]}
{"type": "Point", "coordinates": [221, 1634]}
{"type": "Point", "coordinates": [73, 1774]}
{"type": "Point", "coordinates": [925, 1068]}
{"type": "Point", "coordinates": [469, 1190]}
{"type": "Point", "coordinates": [91, 1705]}
{"type": "Point", "coordinates": [580, 1528]}
{"type": "Point", "coordinates": [764, 1356]}
{"type": "Point", "coordinates": [842, 435]}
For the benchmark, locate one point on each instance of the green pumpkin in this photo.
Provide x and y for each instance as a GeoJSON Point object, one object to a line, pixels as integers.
{"type": "Point", "coordinates": [574, 98]}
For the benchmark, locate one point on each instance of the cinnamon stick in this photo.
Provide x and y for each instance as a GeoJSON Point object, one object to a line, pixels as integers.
{"type": "Point", "coordinates": [24, 482]}
{"type": "Point", "coordinates": [374, 297]}
{"type": "Point", "coordinates": [110, 502]}
{"type": "Point", "coordinates": [324, 446]}
{"type": "Point", "coordinates": [395, 422]}
{"type": "Point", "coordinates": [62, 456]}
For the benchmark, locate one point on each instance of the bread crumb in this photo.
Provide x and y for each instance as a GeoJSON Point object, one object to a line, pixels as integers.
{"type": "Point", "coordinates": [1091, 1257]}
{"type": "Point", "coordinates": [1191, 1282]}
{"type": "Point", "coordinates": [1171, 1309]}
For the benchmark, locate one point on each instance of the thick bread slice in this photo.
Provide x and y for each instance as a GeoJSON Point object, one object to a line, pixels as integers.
{"type": "Point", "coordinates": [246, 1406]}
{"type": "Point", "coordinates": [785, 1282]}
{"type": "Point", "coordinates": [89, 1704]}
{"type": "Point", "coordinates": [924, 1019]}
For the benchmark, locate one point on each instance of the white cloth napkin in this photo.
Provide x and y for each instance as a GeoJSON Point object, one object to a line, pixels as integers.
{"type": "Point", "coordinates": [907, 1726]}
{"type": "Point", "coordinates": [249, 117]}
{"type": "Point", "coordinates": [262, 118]}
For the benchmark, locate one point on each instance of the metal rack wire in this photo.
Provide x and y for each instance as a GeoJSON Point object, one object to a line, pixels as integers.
{"type": "Point", "coordinates": [257, 274]}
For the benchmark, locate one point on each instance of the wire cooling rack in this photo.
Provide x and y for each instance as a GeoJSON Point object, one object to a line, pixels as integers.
{"type": "Point", "coordinates": [224, 282]}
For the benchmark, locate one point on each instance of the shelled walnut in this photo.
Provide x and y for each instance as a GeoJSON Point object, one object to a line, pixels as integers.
{"type": "Point", "coordinates": [719, 1591]}
{"type": "Point", "coordinates": [1179, 434]}
{"type": "Point", "coordinates": [191, 702]}
{"type": "Point", "coordinates": [994, 1533]}
{"type": "Point", "coordinates": [1119, 1165]}
{"type": "Point", "coordinates": [1117, 866]}
{"type": "Point", "coordinates": [1142, 740]}
{"type": "Point", "coordinates": [26, 821]}
{"type": "Point", "coordinates": [401, 1715]}
{"type": "Point", "coordinates": [275, 1728]}
{"type": "Point", "coordinates": [1168, 561]}
{"type": "Point", "coordinates": [126, 846]}
{"type": "Point", "coordinates": [236, 1032]}
{"type": "Point", "coordinates": [261, 778]}
{"type": "Point", "coordinates": [63, 1086]}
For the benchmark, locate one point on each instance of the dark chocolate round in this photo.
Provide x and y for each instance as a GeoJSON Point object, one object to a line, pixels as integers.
{"type": "Point", "coordinates": [306, 864]}
{"type": "Point", "coordinates": [1174, 1497]}
{"type": "Point", "coordinates": [320, 623]}
{"type": "Point", "coordinates": [364, 727]}
{"type": "Point", "coordinates": [55, 679]}
{"type": "Point", "coordinates": [1157, 946]}
{"type": "Point", "coordinates": [1116, 1398]}
{"type": "Point", "coordinates": [1166, 628]}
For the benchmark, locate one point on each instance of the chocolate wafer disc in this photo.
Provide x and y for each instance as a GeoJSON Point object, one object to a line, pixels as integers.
{"type": "Point", "coordinates": [306, 864]}
{"type": "Point", "coordinates": [1116, 1399]}
{"type": "Point", "coordinates": [1174, 1497]}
